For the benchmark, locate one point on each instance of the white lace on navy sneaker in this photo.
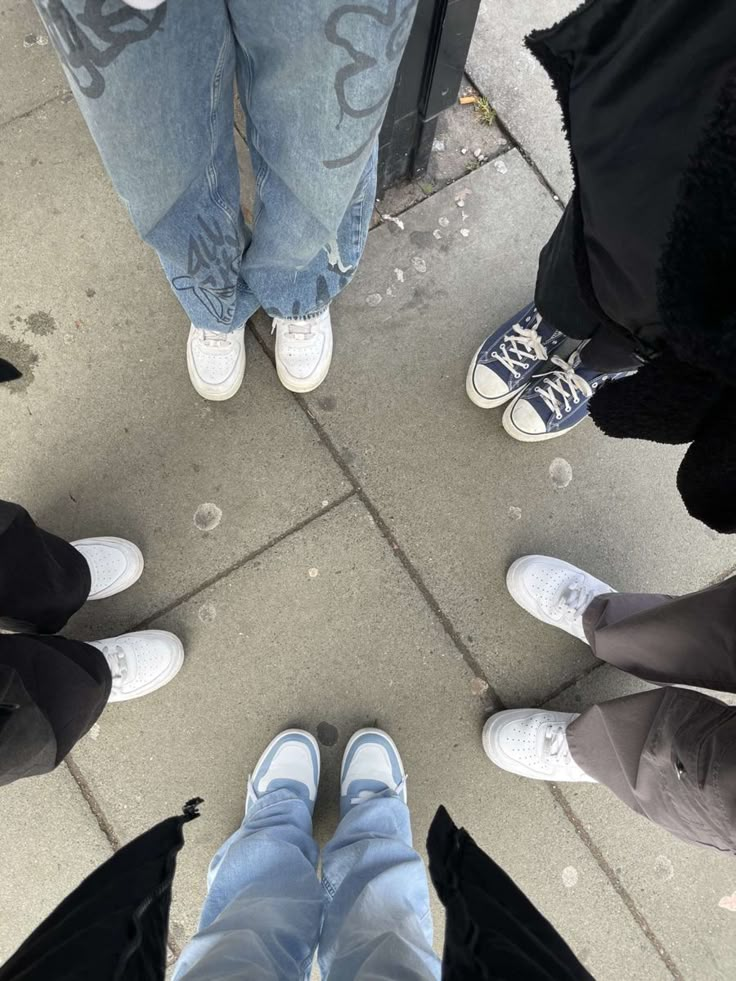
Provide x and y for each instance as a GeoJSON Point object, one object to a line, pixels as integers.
{"type": "Point", "coordinates": [524, 344]}
{"type": "Point", "coordinates": [564, 382]}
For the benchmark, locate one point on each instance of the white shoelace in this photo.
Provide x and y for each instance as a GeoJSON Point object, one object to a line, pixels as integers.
{"type": "Point", "coordinates": [573, 600]}
{"type": "Point", "coordinates": [117, 662]}
{"type": "Point", "coordinates": [555, 748]}
{"type": "Point", "coordinates": [564, 382]}
{"type": "Point", "coordinates": [524, 345]}
{"type": "Point", "coordinates": [215, 339]}
{"type": "Point", "coordinates": [368, 794]}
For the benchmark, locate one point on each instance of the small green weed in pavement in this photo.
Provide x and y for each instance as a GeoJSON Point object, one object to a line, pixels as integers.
{"type": "Point", "coordinates": [486, 112]}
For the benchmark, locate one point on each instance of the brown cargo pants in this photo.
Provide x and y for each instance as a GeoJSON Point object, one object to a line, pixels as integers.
{"type": "Point", "coordinates": [668, 753]}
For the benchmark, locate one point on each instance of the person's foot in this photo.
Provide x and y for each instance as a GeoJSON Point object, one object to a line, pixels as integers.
{"type": "Point", "coordinates": [216, 362]}
{"type": "Point", "coordinates": [291, 762]}
{"type": "Point", "coordinates": [554, 591]}
{"type": "Point", "coordinates": [303, 351]}
{"type": "Point", "coordinates": [371, 767]}
{"type": "Point", "coordinates": [555, 402]}
{"type": "Point", "coordinates": [141, 662]}
{"type": "Point", "coordinates": [533, 744]}
{"type": "Point", "coordinates": [507, 359]}
{"type": "Point", "coordinates": [114, 564]}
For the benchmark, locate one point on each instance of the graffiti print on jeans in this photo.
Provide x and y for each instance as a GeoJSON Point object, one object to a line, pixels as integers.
{"type": "Point", "coordinates": [93, 38]}
{"type": "Point", "coordinates": [399, 22]}
{"type": "Point", "coordinates": [213, 265]}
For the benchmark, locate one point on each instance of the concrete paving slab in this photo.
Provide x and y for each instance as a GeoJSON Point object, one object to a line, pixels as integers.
{"type": "Point", "coordinates": [49, 841]}
{"type": "Point", "coordinates": [462, 498]}
{"type": "Point", "coordinates": [462, 128]}
{"type": "Point", "coordinates": [677, 887]}
{"type": "Point", "coordinates": [517, 85]}
{"type": "Point", "coordinates": [105, 435]}
{"type": "Point", "coordinates": [325, 630]}
{"type": "Point", "coordinates": [31, 71]}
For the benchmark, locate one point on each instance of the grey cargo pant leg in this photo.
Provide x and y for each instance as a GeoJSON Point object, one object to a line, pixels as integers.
{"type": "Point", "coordinates": [670, 754]}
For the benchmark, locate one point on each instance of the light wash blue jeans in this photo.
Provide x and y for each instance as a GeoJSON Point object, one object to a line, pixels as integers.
{"type": "Point", "coordinates": [266, 911]}
{"type": "Point", "coordinates": [156, 90]}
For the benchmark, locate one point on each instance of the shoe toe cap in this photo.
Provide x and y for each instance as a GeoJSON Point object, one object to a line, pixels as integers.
{"type": "Point", "coordinates": [526, 419]}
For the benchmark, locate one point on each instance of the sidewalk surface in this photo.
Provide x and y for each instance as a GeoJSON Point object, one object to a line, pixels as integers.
{"type": "Point", "coordinates": [357, 573]}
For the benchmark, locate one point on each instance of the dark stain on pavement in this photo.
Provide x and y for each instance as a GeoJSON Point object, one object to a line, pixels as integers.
{"type": "Point", "coordinates": [327, 734]}
{"type": "Point", "coordinates": [40, 323]}
{"type": "Point", "coordinates": [328, 403]}
{"type": "Point", "coordinates": [23, 357]}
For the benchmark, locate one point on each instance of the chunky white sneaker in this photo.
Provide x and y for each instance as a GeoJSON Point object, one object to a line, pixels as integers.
{"type": "Point", "coordinates": [371, 766]}
{"type": "Point", "coordinates": [554, 591]}
{"type": "Point", "coordinates": [291, 762]}
{"type": "Point", "coordinates": [114, 564]}
{"type": "Point", "coordinates": [532, 743]}
{"type": "Point", "coordinates": [141, 662]}
{"type": "Point", "coordinates": [216, 362]}
{"type": "Point", "coordinates": [303, 351]}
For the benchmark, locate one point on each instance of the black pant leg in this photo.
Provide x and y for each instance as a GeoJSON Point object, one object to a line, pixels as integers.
{"type": "Point", "coordinates": [52, 690]}
{"type": "Point", "coordinates": [43, 579]}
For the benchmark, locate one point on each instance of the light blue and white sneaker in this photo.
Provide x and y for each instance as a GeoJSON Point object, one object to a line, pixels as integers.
{"type": "Point", "coordinates": [370, 767]}
{"type": "Point", "coordinates": [555, 401]}
{"type": "Point", "coordinates": [291, 761]}
{"type": "Point", "coordinates": [506, 360]}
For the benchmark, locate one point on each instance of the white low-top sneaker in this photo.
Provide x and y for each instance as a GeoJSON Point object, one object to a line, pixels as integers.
{"type": "Point", "coordinates": [532, 743]}
{"type": "Point", "coordinates": [216, 362]}
{"type": "Point", "coordinates": [303, 351]}
{"type": "Point", "coordinates": [554, 591]}
{"type": "Point", "coordinates": [114, 564]}
{"type": "Point", "coordinates": [141, 662]}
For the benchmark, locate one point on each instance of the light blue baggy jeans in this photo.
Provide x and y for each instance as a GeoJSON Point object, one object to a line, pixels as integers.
{"type": "Point", "coordinates": [156, 90]}
{"type": "Point", "coordinates": [266, 911]}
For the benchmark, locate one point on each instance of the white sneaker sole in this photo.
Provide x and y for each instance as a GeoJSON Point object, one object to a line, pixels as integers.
{"type": "Point", "coordinates": [522, 437]}
{"type": "Point", "coordinates": [508, 763]}
{"type": "Point", "coordinates": [303, 385]}
{"type": "Point", "coordinates": [217, 393]}
{"type": "Point", "coordinates": [175, 665]}
{"type": "Point", "coordinates": [481, 400]}
{"type": "Point", "coordinates": [133, 572]}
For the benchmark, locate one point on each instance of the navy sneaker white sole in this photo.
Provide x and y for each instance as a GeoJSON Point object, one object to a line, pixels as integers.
{"type": "Point", "coordinates": [523, 437]}
{"type": "Point", "coordinates": [475, 396]}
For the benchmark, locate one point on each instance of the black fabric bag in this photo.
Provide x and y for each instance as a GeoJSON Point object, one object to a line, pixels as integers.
{"type": "Point", "coordinates": [492, 932]}
{"type": "Point", "coordinates": [114, 926]}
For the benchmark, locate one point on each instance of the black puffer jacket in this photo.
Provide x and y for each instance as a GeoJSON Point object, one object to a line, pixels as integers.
{"type": "Point", "coordinates": [648, 241]}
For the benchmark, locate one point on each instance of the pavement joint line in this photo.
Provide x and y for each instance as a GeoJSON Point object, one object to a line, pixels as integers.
{"type": "Point", "coordinates": [517, 145]}
{"type": "Point", "coordinates": [641, 921]}
{"type": "Point", "coordinates": [61, 96]}
{"type": "Point", "coordinates": [107, 829]}
{"type": "Point", "coordinates": [95, 807]}
{"type": "Point", "coordinates": [491, 701]}
{"type": "Point", "coordinates": [244, 560]}
{"type": "Point", "coordinates": [571, 682]}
